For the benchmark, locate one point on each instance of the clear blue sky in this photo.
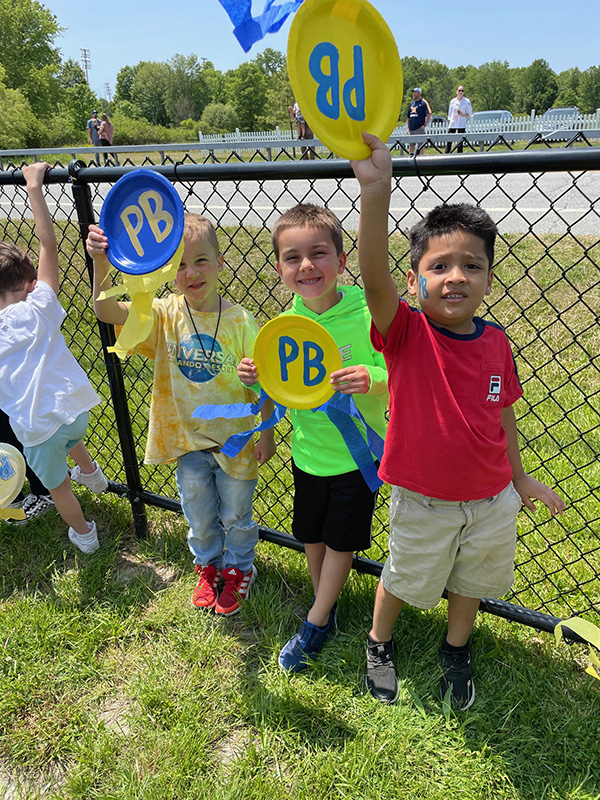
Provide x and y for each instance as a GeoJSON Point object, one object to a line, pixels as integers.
{"type": "Point", "coordinates": [121, 32]}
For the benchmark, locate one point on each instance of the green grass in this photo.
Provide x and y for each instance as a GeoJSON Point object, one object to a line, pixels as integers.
{"type": "Point", "coordinates": [113, 686]}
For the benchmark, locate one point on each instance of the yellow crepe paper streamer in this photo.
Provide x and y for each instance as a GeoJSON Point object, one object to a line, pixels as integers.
{"type": "Point", "coordinates": [141, 289]}
{"type": "Point", "coordinates": [587, 631]}
{"type": "Point", "coordinates": [12, 513]}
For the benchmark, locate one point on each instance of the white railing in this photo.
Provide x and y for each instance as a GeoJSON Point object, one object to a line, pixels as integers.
{"type": "Point", "coordinates": [237, 136]}
{"type": "Point", "coordinates": [526, 122]}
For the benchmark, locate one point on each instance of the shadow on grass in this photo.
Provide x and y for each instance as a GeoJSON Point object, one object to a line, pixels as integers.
{"type": "Point", "coordinates": [534, 724]}
{"type": "Point", "coordinates": [536, 710]}
{"type": "Point", "coordinates": [125, 573]}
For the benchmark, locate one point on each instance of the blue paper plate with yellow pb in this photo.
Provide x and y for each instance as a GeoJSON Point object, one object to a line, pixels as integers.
{"type": "Point", "coordinates": [142, 218]}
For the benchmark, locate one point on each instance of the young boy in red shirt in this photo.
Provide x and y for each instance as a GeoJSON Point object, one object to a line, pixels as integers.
{"type": "Point", "coordinates": [451, 451]}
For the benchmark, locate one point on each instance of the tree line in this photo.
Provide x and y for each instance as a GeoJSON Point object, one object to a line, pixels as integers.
{"type": "Point", "coordinates": [46, 102]}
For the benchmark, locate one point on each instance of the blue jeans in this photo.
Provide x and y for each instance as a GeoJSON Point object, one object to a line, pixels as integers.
{"type": "Point", "coordinates": [218, 509]}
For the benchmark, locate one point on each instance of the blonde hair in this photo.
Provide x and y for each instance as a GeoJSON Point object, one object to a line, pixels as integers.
{"type": "Point", "coordinates": [307, 215]}
{"type": "Point", "coordinates": [195, 226]}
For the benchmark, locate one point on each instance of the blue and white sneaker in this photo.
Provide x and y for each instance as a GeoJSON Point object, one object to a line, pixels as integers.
{"type": "Point", "coordinates": [305, 645]}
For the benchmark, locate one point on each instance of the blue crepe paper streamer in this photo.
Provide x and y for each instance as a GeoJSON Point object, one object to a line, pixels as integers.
{"type": "Point", "coordinates": [249, 29]}
{"type": "Point", "coordinates": [236, 443]}
{"type": "Point", "coordinates": [341, 410]}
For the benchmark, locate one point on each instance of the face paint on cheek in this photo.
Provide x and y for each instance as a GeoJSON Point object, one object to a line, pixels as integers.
{"type": "Point", "coordinates": [423, 293]}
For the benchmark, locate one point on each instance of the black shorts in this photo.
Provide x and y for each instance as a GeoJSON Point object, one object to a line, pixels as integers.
{"type": "Point", "coordinates": [334, 509]}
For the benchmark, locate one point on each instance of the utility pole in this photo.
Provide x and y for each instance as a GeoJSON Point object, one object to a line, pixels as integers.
{"type": "Point", "coordinates": [86, 63]}
{"type": "Point", "coordinates": [107, 90]}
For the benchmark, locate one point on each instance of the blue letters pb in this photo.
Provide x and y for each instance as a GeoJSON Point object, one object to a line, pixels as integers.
{"type": "Point", "coordinates": [328, 83]}
{"type": "Point", "coordinates": [314, 361]}
{"type": "Point", "coordinates": [288, 352]}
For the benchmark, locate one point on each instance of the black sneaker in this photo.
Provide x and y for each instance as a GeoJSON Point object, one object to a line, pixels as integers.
{"type": "Point", "coordinates": [381, 680]}
{"type": "Point", "coordinates": [458, 677]}
{"type": "Point", "coordinates": [34, 505]}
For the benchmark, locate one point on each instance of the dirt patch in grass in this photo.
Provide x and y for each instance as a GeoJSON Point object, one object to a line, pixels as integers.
{"type": "Point", "coordinates": [131, 567]}
{"type": "Point", "coordinates": [19, 783]}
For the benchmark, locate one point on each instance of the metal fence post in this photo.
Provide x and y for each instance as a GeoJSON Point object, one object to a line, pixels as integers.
{"type": "Point", "coordinates": [82, 197]}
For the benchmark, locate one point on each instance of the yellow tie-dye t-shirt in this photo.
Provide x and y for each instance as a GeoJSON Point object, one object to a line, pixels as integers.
{"type": "Point", "coordinates": [184, 379]}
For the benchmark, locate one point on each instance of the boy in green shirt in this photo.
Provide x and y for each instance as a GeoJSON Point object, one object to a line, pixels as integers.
{"type": "Point", "coordinates": [333, 505]}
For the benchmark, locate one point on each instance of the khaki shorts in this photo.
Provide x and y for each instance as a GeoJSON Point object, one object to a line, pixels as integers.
{"type": "Point", "coordinates": [467, 547]}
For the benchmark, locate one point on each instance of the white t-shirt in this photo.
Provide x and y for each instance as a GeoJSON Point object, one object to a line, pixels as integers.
{"type": "Point", "coordinates": [41, 384]}
{"type": "Point", "coordinates": [455, 120]}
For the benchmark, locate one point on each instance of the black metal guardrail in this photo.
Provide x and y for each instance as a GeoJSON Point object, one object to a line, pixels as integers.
{"type": "Point", "coordinates": [547, 297]}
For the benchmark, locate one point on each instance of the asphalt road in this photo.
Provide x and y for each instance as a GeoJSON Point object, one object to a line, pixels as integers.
{"type": "Point", "coordinates": [547, 203]}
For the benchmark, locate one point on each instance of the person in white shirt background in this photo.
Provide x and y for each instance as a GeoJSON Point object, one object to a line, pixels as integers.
{"type": "Point", "coordinates": [458, 113]}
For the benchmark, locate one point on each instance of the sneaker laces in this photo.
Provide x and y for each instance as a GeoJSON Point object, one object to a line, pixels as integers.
{"type": "Point", "coordinates": [457, 661]}
{"type": "Point", "coordinates": [380, 654]}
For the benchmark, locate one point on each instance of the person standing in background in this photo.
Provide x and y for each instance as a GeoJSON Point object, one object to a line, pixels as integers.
{"type": "Point", "coordinates": [303, 129]}
{"type": "Point", "coordinates": [418, 116]}
{"type": "Point", "coordinates": [458, 113]}
{"type": "Point", "coordinates": [93, 126]}
{"type": "Point", "coordinates": [105, 133]}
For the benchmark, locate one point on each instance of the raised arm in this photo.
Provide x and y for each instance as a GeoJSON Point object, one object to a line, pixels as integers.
{"type": "Point", "coordinates": [48, 258]}
{"type": "Point", "coordinates": [374, 175]}
{"type": "Point", "coordinates": [110, 309]}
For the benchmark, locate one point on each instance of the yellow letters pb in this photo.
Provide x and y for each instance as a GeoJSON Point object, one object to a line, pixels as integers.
{"type": "Point", "coordinates": [157, 216]}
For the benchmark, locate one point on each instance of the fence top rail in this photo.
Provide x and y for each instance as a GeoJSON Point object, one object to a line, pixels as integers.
{"type": "Point", "coordinates": [524, 161]}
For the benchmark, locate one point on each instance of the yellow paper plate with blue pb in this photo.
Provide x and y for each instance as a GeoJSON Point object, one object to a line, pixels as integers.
{"type": "Point", "coordinates": [345, 72]}
{"type": "Point", "coordinates": [12, 477]}
{"type": "Point", "coordinates": [294, 357]}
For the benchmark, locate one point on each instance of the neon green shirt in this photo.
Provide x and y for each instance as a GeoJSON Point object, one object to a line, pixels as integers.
{"type": "Point", "coordinates": [317, 446]}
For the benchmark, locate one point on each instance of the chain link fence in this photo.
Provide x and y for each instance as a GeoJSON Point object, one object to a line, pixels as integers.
{"type": "Point", "coordinates": [546, 295]}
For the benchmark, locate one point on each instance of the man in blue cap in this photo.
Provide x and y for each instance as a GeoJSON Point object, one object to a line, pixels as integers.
{"type": "Point", "coordinates": [417, 118]}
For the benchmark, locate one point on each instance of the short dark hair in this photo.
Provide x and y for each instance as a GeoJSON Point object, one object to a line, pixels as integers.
{"type": "Point", "coordinates": [16, 268]}
{"type": "Point", "coordinates": [306, 215]}
{"type": "Point", "coordinates": [446, 219]}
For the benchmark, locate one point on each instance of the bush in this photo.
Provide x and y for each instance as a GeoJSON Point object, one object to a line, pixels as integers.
{"type": "Point", "coordinates": [56, 131]}
{"type": "Point", "coordinates": [135, 131]}
{"type": "Point", "coordinates": [16, 118]}
{"type": "Point", "coordinates": [218, 118]}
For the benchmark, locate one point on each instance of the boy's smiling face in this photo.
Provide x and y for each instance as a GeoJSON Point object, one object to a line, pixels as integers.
{"type": "Point", "coordinates": [309, 266]}
{"type": "Point", "coordinates": [453, 278]}
{"type": "Point", "coordinates": [198, 274]}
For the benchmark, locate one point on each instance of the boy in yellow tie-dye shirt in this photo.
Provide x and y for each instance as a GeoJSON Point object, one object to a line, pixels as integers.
{"type": "Point", "coordinates": [197, 341]}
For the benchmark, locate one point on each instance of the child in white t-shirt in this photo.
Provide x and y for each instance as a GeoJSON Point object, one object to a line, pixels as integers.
{"type": "Point", "coordinates": [43, 390]}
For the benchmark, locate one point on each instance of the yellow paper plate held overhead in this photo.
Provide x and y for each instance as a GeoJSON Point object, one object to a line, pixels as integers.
{"type": "Point", "coordinates": [345, 72]}
{"type": "Point", "coordinates": [294, 357]}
